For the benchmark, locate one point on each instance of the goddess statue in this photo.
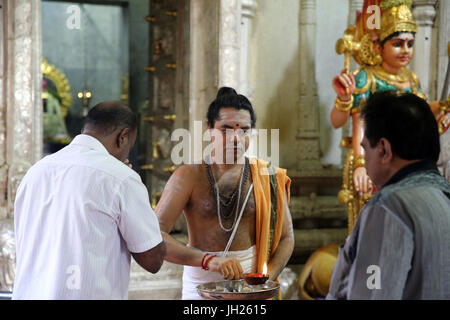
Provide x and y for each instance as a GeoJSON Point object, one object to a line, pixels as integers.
{"type": "Point", "coordinates": [383, 55]}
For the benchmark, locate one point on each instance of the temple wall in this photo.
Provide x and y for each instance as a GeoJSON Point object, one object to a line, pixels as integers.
{"type": "Point", "coordinates": [275, 71]}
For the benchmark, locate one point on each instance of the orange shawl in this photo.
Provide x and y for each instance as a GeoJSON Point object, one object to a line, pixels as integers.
{"type": "Point", "coordinates": [270, 187]}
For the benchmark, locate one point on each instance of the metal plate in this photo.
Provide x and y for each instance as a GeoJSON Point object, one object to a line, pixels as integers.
{"type": "Point", "coordinates": [237, 290]}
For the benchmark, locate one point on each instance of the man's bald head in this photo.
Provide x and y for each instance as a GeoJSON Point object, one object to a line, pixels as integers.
{"type": "Point", "coordinates": [106, 117]}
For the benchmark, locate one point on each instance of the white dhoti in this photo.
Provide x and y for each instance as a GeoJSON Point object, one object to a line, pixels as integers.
{"type": "Point", "coordinates": [194, 276]}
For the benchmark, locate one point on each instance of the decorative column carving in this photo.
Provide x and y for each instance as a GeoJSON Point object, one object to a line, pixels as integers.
{"type": "Point", "coordinates": [3, 166]}
{"type": "Point", "coordinates": [229, 42]}
{"type": "Point", "coordinates": [23, 84]}
{"type": "Point", "coordinates": [354, 5]}
{"type": "Point", "coordinates": [20, 114]}
{"type": "Point", "coordinates": [248, 13]}
{"type": "Point", "coordinates": [424, 12]}
{"type": "Point", "coordinates": [203, 65]}
{"type": "Point", "coordinates": [308, 130]}
{"type": "Point", "coordinates": [444, 38]}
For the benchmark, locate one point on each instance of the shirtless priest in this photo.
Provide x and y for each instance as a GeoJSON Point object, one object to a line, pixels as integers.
{"type": "Point", "coordinates": [236, 211]}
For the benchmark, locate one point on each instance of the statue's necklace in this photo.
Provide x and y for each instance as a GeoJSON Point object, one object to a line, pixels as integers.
{"type": "Point", "coordinates": [392, 78]}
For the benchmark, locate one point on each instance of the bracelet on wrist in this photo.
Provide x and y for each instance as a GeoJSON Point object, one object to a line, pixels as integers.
{"type": "Point", "coordinates": [203, 260]}
{"type": "Point", "coordinates": [359, 162]}
{"type": "Point", "coordinates": [344, 106]}
{"type": "Point", "coordinates": [205, 265]}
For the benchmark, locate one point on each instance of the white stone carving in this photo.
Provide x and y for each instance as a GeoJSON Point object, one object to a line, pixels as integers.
{"type": "Point", "coordinates": [444, 39]}
{"type": "Point", "coordinates": [308, 149]}
{"type": "Point", "coordinates": [248, 11]}
{"type": "Point", "coordinates": [424, 12]}
{"type": "Point", "coordinates": [229, 42]}
{"type": "Point", "coordinates": [20, 112]}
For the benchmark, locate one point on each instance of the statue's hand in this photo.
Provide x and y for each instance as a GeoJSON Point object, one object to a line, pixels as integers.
{"type": "Point", "coordinates": [362, 182]}
{"type": "Point", "coordinates": [444, 122]}
{"type": "Point", "coordinates": [344, 85]}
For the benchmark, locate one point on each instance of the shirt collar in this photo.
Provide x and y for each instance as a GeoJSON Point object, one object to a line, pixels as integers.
{"type": "Point", "coordinates": [424, 165]}
{"type": "Point", "coordinates": [90, 142]}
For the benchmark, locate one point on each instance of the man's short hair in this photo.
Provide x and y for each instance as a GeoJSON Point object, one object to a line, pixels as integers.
{"type": "Point", "coordinates": [108, 116]}
{"type": "Point", "coordinates": [228, 98]}
{"type": "Point", "coordinates": [406, 121]}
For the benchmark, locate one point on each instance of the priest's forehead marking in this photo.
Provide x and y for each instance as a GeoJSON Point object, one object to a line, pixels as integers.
{"type": "Point", "coordinates": [240, 118]}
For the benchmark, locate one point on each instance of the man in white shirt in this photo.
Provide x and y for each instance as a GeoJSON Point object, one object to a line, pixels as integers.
{"type": "Point", "coordinates": [81, 211]}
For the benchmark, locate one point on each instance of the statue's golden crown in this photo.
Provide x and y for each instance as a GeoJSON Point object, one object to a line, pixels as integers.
{"type": "Point", "coordinates": [396, 17]}
{"type": "Point", "coordinates": [360, 39]}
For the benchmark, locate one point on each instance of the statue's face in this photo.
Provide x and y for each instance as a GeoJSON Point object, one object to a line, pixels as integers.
{"type": "Point", "coordinates": [398, 51]}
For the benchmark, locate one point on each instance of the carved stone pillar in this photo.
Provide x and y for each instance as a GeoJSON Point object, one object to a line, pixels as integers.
{"type": "Point", "coordinates": [203, 65]}
{"type": "Point", "coordinates": [354, 5]}
{"type": "Point", "coordinates": [23, 87]}
{"type": "Point", "coordinates": [444, 38]}
{"type": "Point", "coordinates": [3, 167]}
{"type": "Point", "coordinates": [20, 112]}
{"type": "Point", "coordinates": [215, 56]}
{"type": "Point", "coordinates": [308, 129]}
{"type": "Point", "coordinates": [424, 12]}
{"type": "Point", "coordinates": [229, 42]}
{"type": "Point", "coordinates": [248, 12]}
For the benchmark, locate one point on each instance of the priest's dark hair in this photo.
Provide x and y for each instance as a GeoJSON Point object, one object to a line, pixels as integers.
{"type": "Point", "coordinates": [228, 98]}
{"type": "Point", "coordinates": [108, 116]}
{"type": "Point", "coordinates": [406, 121]}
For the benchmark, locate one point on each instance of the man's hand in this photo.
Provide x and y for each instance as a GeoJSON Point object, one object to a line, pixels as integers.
{"type": "Point", "coordinates": [362, 182]}
{"type": "Point", "coordinates": [230, 268]}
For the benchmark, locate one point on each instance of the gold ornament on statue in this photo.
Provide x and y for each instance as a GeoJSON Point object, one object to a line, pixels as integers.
{"type": "Point", "coordinates": [359, 163]}
{"type": "Point", "coordinates": [367, 54]}
{"type": "Point", "coordinates": [396, 17]}
{"type": "Point", "coordinates": [344, 106]}
{"type": "Point", "coordinates": [61, 83]}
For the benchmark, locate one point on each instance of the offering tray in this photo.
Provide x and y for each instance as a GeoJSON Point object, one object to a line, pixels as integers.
{"type": "Point", "coordinates": [238, 290]}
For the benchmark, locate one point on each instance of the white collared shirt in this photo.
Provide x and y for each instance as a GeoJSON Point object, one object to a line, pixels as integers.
{"type": "Point", "coordinates": [78, 214]}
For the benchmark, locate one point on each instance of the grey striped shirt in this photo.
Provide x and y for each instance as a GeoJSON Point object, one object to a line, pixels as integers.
{"type": "Point", "coordinates": [400, 245]}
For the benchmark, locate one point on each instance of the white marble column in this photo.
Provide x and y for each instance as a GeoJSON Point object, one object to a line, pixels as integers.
{"type": "Point", "coordinates": [443, 39]}
{"type": "Point", "coordinates": [229, 43]}
{"type": "Point", "coordinates": [21, 139]}
{"type": "Point", "coordinates": [424, 12]}
{"type": "Point", "coordinates": [215, 55]}
{"type": "Point", "coordinates": [3, 167]}
{"type": "Point", "coordinates": [203, 67]}
{"type": "Point", "coordinates": [22, 90]}
{"type": "Point", "coordinates": [308, 129]}
{"type": "Point", "coordinates": [248, 13]}
{"type": "Point", "coordinates": [354, 5]}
